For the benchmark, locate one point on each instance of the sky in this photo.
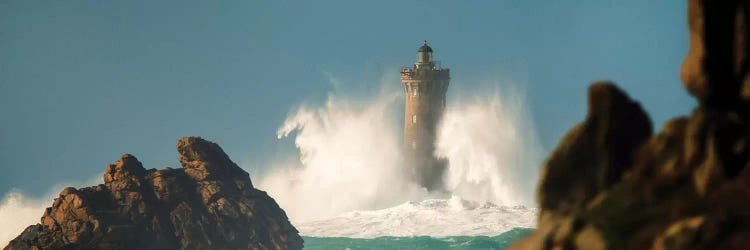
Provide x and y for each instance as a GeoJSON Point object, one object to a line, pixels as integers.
{"type": "Point", "coordinates": [82, 82]}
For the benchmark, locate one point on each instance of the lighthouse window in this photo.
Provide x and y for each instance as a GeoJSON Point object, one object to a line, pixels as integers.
{"type": "Point", "coordinates": [414, 119]}
{"type": "Point", "coordinates": [414, 91]}
{"type": "Point", "coordinates": [413, 145]}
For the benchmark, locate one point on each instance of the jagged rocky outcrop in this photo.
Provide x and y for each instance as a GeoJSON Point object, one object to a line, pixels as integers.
{"type": "Point", "coordinates": [610, 184]}
{"type": "Point", "coordinates": [210, 203]}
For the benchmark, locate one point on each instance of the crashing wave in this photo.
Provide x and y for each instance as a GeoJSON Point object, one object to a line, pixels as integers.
{"type": "Point", "coordinates": [432, 217]}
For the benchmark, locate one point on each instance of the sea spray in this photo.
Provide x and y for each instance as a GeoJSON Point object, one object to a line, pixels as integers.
{"type": "Point", "coordinates": [491, 147]}
{"type": "Point", "coordinates": [350, 155]}
{"type": "Point", "coordinates": [349, 159]}
{"type": "Point", "coordinates": [18, 211]}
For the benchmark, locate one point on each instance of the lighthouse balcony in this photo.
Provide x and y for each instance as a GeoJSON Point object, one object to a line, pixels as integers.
{"type": "Point", "coordinates": [414, 73]}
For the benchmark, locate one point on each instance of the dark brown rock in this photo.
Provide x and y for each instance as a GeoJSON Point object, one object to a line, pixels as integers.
{"type": "Point", "coordinates": [610, 185]}
{"type": "Point", "coordinates": [716, 67]}
{"type": "Point", "coordinates": [210, 203]}
{"type": "Point", "coordinates": [598, 150]}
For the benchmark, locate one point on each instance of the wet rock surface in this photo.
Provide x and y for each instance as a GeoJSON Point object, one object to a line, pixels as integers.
{"type": "Point", "coordinates": [210, 203]}
{"type": "Point", "coordinates": [610, 184]}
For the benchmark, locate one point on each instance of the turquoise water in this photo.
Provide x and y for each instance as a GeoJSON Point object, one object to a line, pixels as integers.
{"type": "Point", "coordinates": [501, 241]}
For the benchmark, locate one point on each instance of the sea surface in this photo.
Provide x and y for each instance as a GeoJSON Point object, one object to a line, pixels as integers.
{"type": "Point", "coordinates": [429, 224]}
{"type": "Point", "coordinates": [501, 241]}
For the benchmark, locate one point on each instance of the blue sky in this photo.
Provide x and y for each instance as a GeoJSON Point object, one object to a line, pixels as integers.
{"type": "Point", "coordinates": [82, 82]}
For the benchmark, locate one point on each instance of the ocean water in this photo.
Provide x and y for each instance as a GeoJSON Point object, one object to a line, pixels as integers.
{"type": "Point", "coordinates": [501, 241]}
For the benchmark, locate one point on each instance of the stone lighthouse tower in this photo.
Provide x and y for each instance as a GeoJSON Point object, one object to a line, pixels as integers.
{"type": "Point", "coordinates": [425, 86]}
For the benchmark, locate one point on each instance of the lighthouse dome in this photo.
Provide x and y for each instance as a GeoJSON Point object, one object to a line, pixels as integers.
{"type": "Point", "coordinates": [424, 56]}
{"type": "Point", "coordinates": [425, 48]}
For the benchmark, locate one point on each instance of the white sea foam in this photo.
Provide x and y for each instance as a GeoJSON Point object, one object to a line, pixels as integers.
{"type": "Point", "coordinates": [431, 217]}
{"type": "Point", "coordinates": [349, 159]}
{"type": "Point", "coordinates": [18, 212]}
{"type": "Point", "coordinates": [492, 149]}
{"type": "Point", "coordinates": [349, 155]}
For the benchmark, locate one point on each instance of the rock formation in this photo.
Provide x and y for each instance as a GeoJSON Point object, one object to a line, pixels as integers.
{"type": "Point", "coordinates": [209, 203]}
{"type": "Point", "coordinates": [610, 184]}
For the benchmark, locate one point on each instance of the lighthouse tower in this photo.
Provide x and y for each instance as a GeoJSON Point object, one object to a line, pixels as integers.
{"type": "Point", "coordinates": [425, 86]}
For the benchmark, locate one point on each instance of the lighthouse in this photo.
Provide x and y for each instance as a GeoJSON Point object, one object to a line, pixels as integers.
{"type": "Point", "coordinates": [425, 85]}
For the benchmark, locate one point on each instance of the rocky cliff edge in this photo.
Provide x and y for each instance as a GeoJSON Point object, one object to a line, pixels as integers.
{"type": "Point", "coordinates": [210, 203]}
